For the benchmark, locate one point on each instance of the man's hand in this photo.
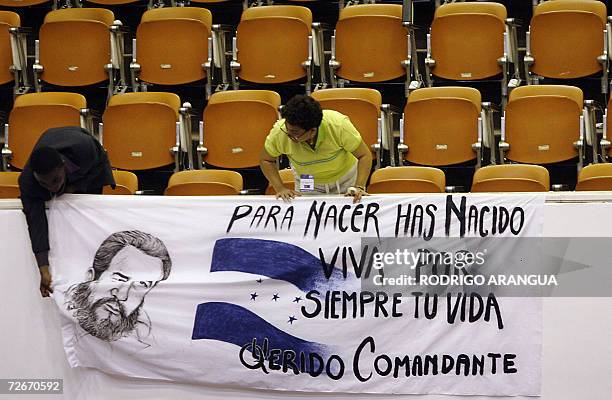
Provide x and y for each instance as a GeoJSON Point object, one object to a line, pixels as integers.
{"type": "Point", "coordinates": [45, 281]}
{"type": "Point", "coordinates": [356, 193]}
{"type": "Point", "coordinates": [287, 194]}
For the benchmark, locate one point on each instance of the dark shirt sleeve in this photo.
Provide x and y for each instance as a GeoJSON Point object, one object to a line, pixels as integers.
{"type": "Point", "coordinates": [34, 210]}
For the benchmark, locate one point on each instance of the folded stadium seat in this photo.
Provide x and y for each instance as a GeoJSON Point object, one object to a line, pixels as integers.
{"type": "Point", "coordinates": [9, 185]}
{"type": "Point", "coordinates": [21, 3]}
{"type": "Point", "coordinates": [11, 70]}
{"type": "Point", "coordinates": [556, 51]}
{"type": "Point", "coordinates": [542, 124]}
{"type": "Point", "coordinates": [234, 128]}
{"type": "Point", "coordinates": [595, 177]}
{"type": "Point", "coordinates": [370, 45]}
{"type": "Point", "coordinates": [142, 131]}
{"type": "Point", "coordinates": [511, 178]}
{"type": "Point", "coordinates": [126, 183]}
{"type": "Point", "coordinates": [74, 50]}
{"type": "Point", "coordinates": [472, 41]}
{"type": "Point", "coordinates": [173, 47]}
{"type": "Point", "coordinates": [363, 107]}
{"type": "Point", "coordinates": [442, 126]}
{"type": "Point", "coordinates": [273, 46]}
{"type": "Point", "coordinates": [204, 183]}
{"type": "Point", "coordinates": [288, 179]}
{"type": "Point", "coordinates": [8, 20]}
{"type": "Point", "coordinates": [32, 115]}
{"type": "Point", "coordinates": [407, 180]}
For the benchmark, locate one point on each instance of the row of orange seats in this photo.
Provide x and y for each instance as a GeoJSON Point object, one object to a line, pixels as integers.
{"type": "Point", "coordinates": [442, 126]}
{"type": "Point", "coordinates": [497, 178]}
{"type": "Point", "coordinates": [468, 41]}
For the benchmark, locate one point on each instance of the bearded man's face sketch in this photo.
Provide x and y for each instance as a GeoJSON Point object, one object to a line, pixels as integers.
{"type": "Point", "coordinates": [127, 266]}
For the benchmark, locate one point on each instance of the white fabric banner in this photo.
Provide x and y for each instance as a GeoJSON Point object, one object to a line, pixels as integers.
{"type": "Point", "coordinates": [253, 292]}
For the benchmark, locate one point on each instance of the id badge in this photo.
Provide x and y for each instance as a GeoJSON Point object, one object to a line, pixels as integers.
{"type": "Point", "coordinates": [306, 183]}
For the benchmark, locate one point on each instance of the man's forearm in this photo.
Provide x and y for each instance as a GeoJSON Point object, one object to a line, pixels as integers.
{"type": "Point", "coordinates": [270, 170]}
{"type": "Point", "coordinates": [364, 165]}
{"type": "Point", "coordinates": [42, 258]}
{"type": "Point", "coordinates": [34, 210]}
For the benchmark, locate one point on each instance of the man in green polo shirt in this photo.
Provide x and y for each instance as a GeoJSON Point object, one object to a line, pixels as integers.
{"type": "Point", "coordinates": [325, 150]}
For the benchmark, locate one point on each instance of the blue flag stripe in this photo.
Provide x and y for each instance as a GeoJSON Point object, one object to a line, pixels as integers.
{"type": "Point", "coordinates": [234, 324]}
{"type": "Point", "coordinates": [277, 260]}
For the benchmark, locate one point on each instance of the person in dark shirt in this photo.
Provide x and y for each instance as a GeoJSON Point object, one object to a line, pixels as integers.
{"type": "Point", "coordinates": [64, 160]}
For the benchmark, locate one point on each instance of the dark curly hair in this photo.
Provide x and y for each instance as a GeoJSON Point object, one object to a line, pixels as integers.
{"type": "Point", "coordinates": [144, 242]}
{"type": "Point", "coordinates": [303, 111]}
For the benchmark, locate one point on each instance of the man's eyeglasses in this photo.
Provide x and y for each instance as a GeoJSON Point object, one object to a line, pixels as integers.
{"type": "Point", "coordinates": [294, 133]}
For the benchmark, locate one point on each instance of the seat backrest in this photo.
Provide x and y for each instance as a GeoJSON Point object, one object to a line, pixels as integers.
{"type": "Point", "coordinates": [361, 105]}
{"type": "Point", "coordinates": [236, 123]}
{"type": "Point", "coordinates": [467, 39]}
{"type": "Point", "coordinates": [21, 3]}
{"type": "Point", "coordinates": [8, 20]}
{"type": "Point", "coordinates": [126, 183]}
{"type": "Point", "coordinates": [140, 129]}
{"type": "Point", "coordinates": [511, 178]}
{"type": "Point", "coordinates": [288, 179]}
{"type": "Point", "coordinates": [407, 180]}
{"type": "Point", "coordinates": [9, 185]}
{"type": "Point", "coordinates": [34, 113]}
{"type": "Point", "coordinates": [204, 183]}
{"type": "Point", "coordinates": [440, 125]}
{"type": "Point", "coordinates": [371, 43]}
{"type": "Point", "coordinates": [551, 38]}
{"type": "Point", "coordinates": [173, 44]}
{"type": "Point", "coordinates": [542, 123]}
{"type": "Point", "coordinates": [595, 177]}
{"type": "Point", "coordinates": [272, 43]}
{"type": "Point", "coordinates": [69, 62]}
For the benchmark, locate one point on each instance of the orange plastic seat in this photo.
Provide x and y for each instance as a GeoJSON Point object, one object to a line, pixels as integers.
{"type": "Point", "coordinates": [511, 178]}
{"type": "Point", "coordinates": [21, 3]}
{"type": "Point", "coordinates": [140, 130]}
{"type": "Point", "coordinates": [172, 45]}
{"type": "Point", "coordinates": [33, 114]}
{"type": "Point", "coordinates": [542, 124]}
{"type": "Point", "coordinates": [370, 43]}
{"type": "Point", "coordinates": [8, 20]}
{"type": "Point", "coordinates": [272, 45]}
{"type": "Point", "coordinates": [205, 182]}
{"type": "Point", "coordinates": [407, 180]}
{"type": "Point", "coordinates": [235, 127]}
{"type": "Point", "coordinates": [595, 177]}
{"type": "Point", "coordinates": [126, 183]}
{"type": "Point", "coordinates": [557, 51]}
{"type": "Point", "coordinates": [288, 179]}
{"type": "Point", "coordinates": [362, 106]}
{"type": "Point", "coordinates": [69, 62]}
{"type": "Point", "coordinates": [467, 40]}
{"type": "Point", "coordinates": [440, 126]}
{"type": "Point", "coordinates": [9, 185]}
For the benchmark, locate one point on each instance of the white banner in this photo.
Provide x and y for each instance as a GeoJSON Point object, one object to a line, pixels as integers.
{"type": "Point", "coordinates": [252, 292]}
